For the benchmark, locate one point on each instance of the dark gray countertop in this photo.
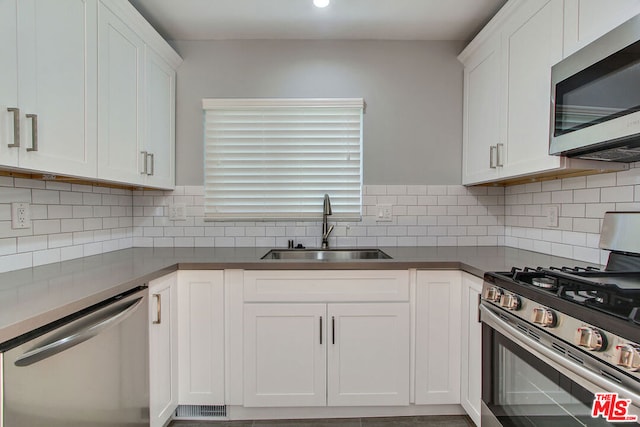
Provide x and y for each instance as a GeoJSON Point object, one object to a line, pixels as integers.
{"type": "Point", "coordinates": [33, 297]}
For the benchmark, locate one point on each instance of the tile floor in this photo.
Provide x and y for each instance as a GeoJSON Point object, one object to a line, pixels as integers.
{"type": "Point", "coordinates": [424, 421]}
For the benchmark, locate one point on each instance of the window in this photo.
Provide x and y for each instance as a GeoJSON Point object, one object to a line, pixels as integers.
{"type": "Point", "coordinates": [274, 159]}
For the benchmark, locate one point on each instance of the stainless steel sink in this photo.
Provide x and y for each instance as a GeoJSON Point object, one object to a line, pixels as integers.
{"type": "Point", "coordinates": [326, 254]}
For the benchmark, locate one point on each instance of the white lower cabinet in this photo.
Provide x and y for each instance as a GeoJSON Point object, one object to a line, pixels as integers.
{"type": "Point", "coordinates": [285, 355]}
{"type": "Point", "coordinates": [163, 349]}
{"type": "Point", "coordinates": [437, 340]}
{"type": "Point", "coordinates": [471, 372]}
{"type": "Point", "coordinates": [368, 354]}
{"type": "Point", "coordinates": [326, 354]}
{"type": "Point", "coordinates": [318, 338]}
{"type": "Point", "coordinates": [201, 337]}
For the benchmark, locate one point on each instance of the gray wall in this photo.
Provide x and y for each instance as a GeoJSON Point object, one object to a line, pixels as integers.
{"type": "Point", "coordinates": [412, 91]}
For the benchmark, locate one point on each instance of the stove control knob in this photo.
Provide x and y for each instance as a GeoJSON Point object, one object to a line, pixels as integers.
{"type": "Point", "coordinates": [545, 317]}
{"type": "Point", "coordinates": [511, 302]}
{"type": "Point", "coordinates": [629, 356]}
{"type": "Point", "coordinates": [493, 294]}
{"type": "Point", "coordinates": [591, 338]}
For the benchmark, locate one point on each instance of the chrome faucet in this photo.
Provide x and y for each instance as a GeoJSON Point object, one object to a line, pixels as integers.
{"type": "Point", "coordinates": [326, 211]}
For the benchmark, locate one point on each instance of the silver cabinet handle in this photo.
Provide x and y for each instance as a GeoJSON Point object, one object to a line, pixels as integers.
{"type": "Point", "coordinates": [34, 132]}
{"type": "Point", "coordinates": [493, 156]}
{"type": "Point", "coordinates": [144, 162]}
{"type": "Point", "coordinates": [320, 330]}
{"type": "Point", "coordinates": [16, 127]}
{"type": "Point", "coordinates": [499, 151]}
{"type": "Point", "coordinates": [79, 333]}
{"type": "Point", "coordinates": [333, 330]}
{"type": "Point", "coordinates": [158, 298]}
{"type": "Point", "coordinates": [151, 169]}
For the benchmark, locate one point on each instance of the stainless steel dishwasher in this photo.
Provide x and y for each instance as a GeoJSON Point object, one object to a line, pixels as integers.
{"type": "Point", "coordinates": [89, 369]}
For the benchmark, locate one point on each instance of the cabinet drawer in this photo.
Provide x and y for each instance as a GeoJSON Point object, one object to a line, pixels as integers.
{"type": "Point", "coordinates": [326, 286]}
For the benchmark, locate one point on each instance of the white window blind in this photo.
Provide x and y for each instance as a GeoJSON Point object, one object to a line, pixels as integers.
{"type": "Point", "coordinates": [270, 159]}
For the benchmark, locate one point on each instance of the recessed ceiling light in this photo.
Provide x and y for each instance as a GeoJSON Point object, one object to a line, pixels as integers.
{"type": "Point", "coordinates": [321, 3]}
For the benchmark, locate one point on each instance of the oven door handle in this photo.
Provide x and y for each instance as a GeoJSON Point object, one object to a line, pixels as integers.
{"type": "Point", "coordinates": [575, 372]}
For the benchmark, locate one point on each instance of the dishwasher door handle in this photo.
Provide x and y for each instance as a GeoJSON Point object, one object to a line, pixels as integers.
{"type": "Point", "coordinates": [77, 334]}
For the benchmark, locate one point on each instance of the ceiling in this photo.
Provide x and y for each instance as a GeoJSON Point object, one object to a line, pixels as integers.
{"type": "Point", "coordinates": [299, 19]}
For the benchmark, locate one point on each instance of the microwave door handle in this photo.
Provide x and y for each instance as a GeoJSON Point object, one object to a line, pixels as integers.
{"type": "Point", "coordinates": [76, 335]}
{"type": "Point", "coordinates": [575, 372]}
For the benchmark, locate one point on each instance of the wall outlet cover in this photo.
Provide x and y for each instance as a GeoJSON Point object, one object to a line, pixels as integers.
{"type": "Point", "coordinates": [20, 215]}
{"type": "Point", "coordinates": [552, 214]}
{"type": "Point", "coordinates": [177, 212]}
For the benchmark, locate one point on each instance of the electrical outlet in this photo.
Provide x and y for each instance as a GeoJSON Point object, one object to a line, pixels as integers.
{"type": "Point", "coordinates": [384, 213]}
{"type": "Point", "coordinates": [20, 215]}
{"type": "Point", "coordinates": [553, 212]}
{"type": "Point", "coordinates": [178, 212]}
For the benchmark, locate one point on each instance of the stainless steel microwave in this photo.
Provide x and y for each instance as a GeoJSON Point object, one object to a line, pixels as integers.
{"type": "Point", "coordinates": [595, 98]}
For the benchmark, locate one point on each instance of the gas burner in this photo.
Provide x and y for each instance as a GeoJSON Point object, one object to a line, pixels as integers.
{"type": "Point", "coordinates": [545, 282]}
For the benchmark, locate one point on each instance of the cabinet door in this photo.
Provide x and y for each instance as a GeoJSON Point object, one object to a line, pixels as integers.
{"type": "Point", "coordinates": [438, 337]}
{"type": "Point", "coordinates": [531, 44]}
{"type": "Point", "coordinates": [57, 82]}
{"type": "Point", "coordinates": [201, 337]}
{"type": "Point", "coordinates": [586, 20]}
{"type": "Point", "coordinates": [482, 90]}
{"type": "Point", "coordinates": [163, 349]}
{"type": "Point", "coordinates": [368, 354]}
{"type": "Point", "coordinates": [159, 121]}
{"type": "Point", "coordinates": [471, 381]}
{"type": "Point", "coordinates": [120, 95]}
{"type": "Point", "coordinates": [9, 81]}
{"type": "Point", "coordinates": [285, 354]}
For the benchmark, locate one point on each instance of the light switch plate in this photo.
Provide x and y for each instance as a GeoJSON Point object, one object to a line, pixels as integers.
{"type": "Point", "coordinates": [20, 215]}
{"type": "Point", "coordinates": [384, 213]}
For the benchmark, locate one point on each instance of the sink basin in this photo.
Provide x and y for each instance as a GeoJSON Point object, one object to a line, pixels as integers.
{"type": "Point", "coordinates": [326, 254]}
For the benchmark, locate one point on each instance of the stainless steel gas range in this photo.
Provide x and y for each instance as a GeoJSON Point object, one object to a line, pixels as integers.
{"type": "Point", "coordinates": [561, 345]}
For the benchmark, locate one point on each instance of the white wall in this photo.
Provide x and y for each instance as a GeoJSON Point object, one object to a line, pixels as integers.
{"type": "Point", "coordinates": [413, 92]}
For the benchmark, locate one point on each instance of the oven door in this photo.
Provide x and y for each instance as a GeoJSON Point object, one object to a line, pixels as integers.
{"type": "Point", "coordinates": [525, 383]}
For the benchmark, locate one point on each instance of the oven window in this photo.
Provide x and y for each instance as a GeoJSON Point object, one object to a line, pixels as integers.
{"type": "Point", "coordinates": [604, 91]}
{"type": "Point", "coordinates": [527, 392]}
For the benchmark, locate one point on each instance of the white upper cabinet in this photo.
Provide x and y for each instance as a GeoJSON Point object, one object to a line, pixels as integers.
{"type": "Point", "coordinates": [507, 99]}
{"type": "Point", "coordinates": [482, 113]}
{"type": "Point", "coordinates": [586, 20]}
{"type": "Point", "coordinates": [8, 82]}
{"type": "Point", "coordinates": [160, 89]}
{"type": "Point", "coordinates": [49, 50]}
{"type": "Point", "coordinates": [531, 44]}
{"type": "Point", "coordinates": [136, 98]}
{"type": "Point", "coordinates": [120, 96]}
{"type": "Point", "coordinates": [88, 91]}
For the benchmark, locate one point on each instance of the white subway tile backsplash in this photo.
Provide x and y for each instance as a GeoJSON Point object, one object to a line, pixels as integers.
{"type": "Point", "coordinates": [79, 220]}
{"type": "Point", "coordinates": [601, 180]}
{"type": "Point", "coordinates": [46, 226]}
{"type": "Point", "coordinates": [617, 194]}
{"type": "Point", "coordinates": [590, 195]}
